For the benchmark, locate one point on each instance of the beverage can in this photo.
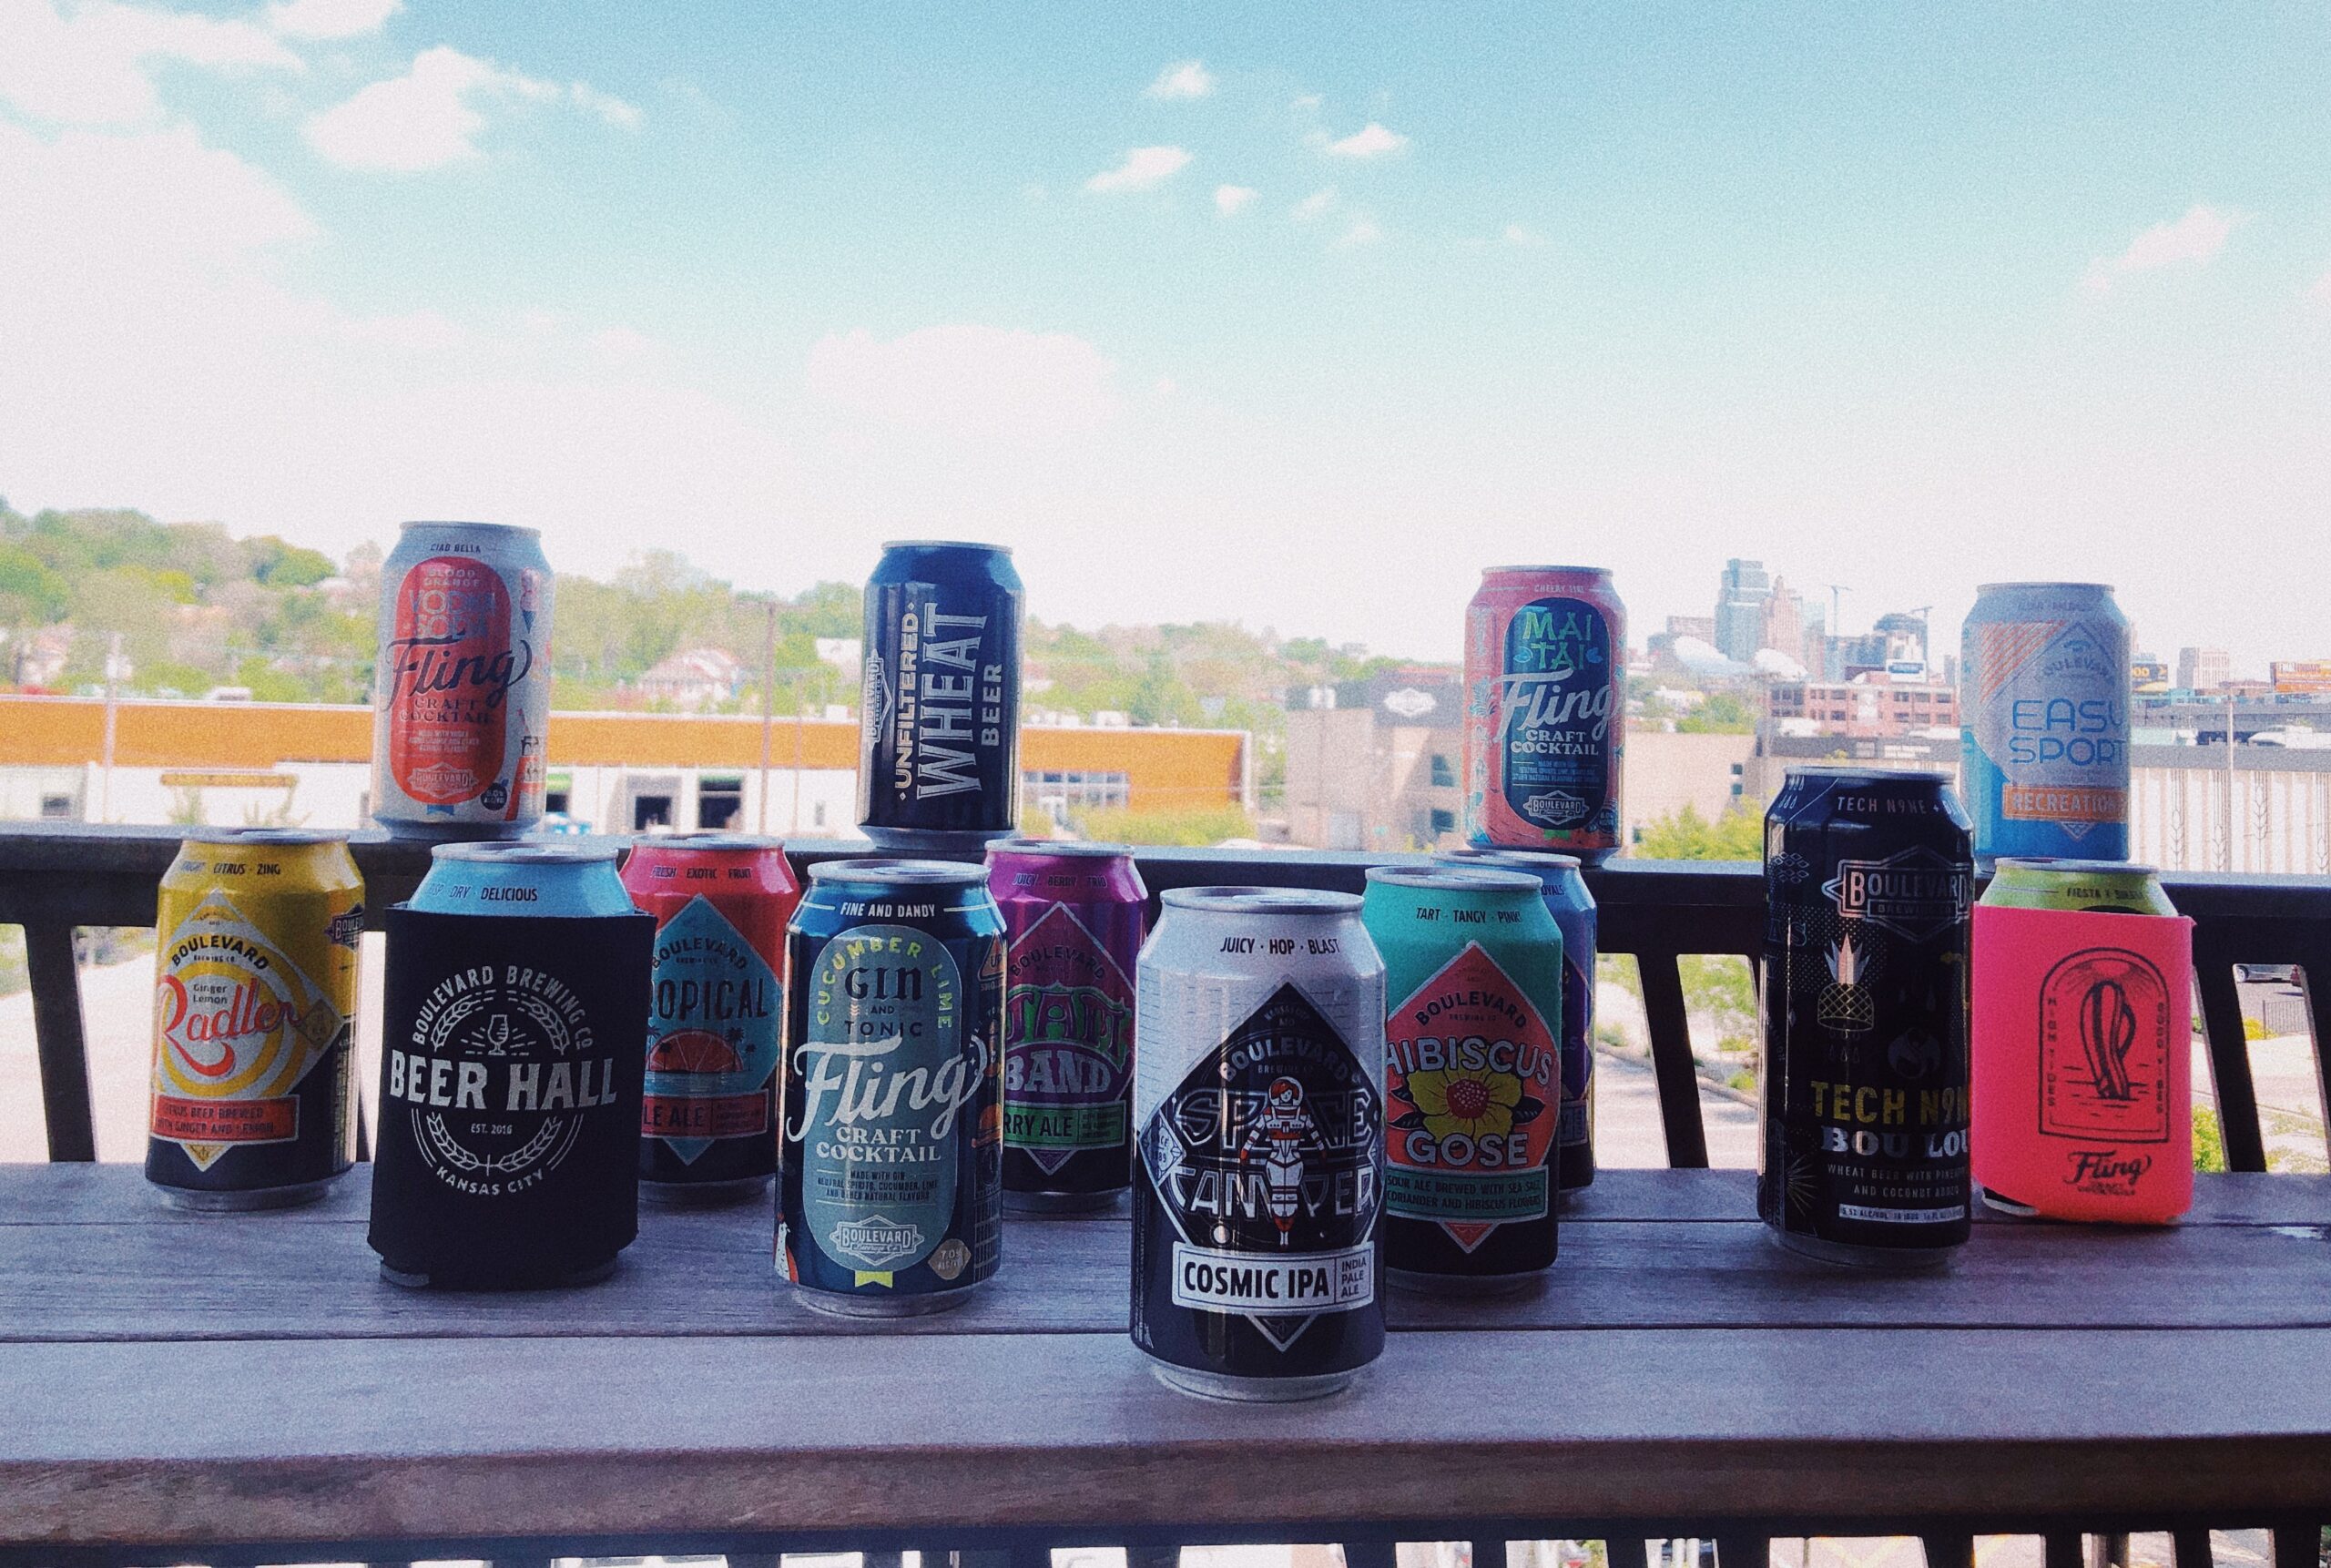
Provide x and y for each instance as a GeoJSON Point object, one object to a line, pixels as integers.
{"type": "Point", "coordinates": [2044, 721]}
{"type": "Point", "coordinates": [2102, 887]}
{"type": "Point", "coordinates": [255, 966]}
{"type": "Point", "coordinates": [1546, 711]}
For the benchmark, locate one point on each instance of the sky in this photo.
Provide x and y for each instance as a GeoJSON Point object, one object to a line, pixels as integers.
{"type": "Point", "coordinates": [1298, 315]}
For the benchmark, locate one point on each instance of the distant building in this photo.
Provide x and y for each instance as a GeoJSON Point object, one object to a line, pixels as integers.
{"type": "Point", "coordinates": [693, 679]}
{"type": "Point", "coordinates": [35, 657]}
{"type": "Point", "coordinates": [1740, 610]}
{"type": "Point", "coordinates": [1895, 642]}
{"type": "Point", "coordinates": [1871, 705]}
{"type": "Point", "coordinates": [1373, 764]}
{"type": "Point", "coordinates": [2204, 669]}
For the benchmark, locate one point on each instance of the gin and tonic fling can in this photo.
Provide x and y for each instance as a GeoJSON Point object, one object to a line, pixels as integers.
{"type": "Point", "coordinates": [1546, 711]}
{"type": "Point", "coordinates": [2044, 717]}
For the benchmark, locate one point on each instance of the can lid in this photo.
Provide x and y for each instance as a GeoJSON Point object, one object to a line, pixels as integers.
{"type": "Point", "coordinates": [526, 853]}
{"type": "Point", "coordinates": [1261, 900]}
{"type": "Point", "coordinates": [1064, 849]}
{"type": "Point", "coordinates": [1864, 770]}
{"type": "Point", "coordinates": [2012, 587]}
{"type": "Point", "coordinates": [709, 839]}
{"type": "Point", "coordinates": [946, 544]}
{"type": "Point", "coordinates": [1569, 571]}
{"type": "Point", "coordinates": [2057, 865]}
{"type": "Point", "coordinates": [900, 873]}
{"type": "Point", "coordinates": [1456, 879]}
{"type": "Point", "coordinates": [458, 522]}
{"type": "Point", "coordinates": [1470, 855]}
{"type": "Point", "coordinates": [288, 838]}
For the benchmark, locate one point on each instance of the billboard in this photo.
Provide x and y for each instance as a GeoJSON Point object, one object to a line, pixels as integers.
{"type": "Point", "coordinates": [2309, 675]}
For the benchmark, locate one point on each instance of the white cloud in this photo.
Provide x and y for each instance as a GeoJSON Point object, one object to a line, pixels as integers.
{"type": "Point", "coordinates": [1523, 236]}
{"type": "Point", "coordinates": [1371, 140]}
{"type": "Point", "coordinates": [330, 18]}
{"type": "Point", "coordinates": [429, 117]}
{"type": "Point", "coordinates": [1314, 207]}
{"type": "Point", "coordinates": [2195, 237]}
{"type": "Point", "coordinates": [1142, 168]}
{"type": "Point", "coordinates": [968, 381]}
{"type": "Point", "coordinates": [1230, 199]}
{"type": "Point", "coordinates": [93, 65]}
{"type": "Point", "coordinates": [1363, 232]}
{"type": "Point", "coordinates": [1182, 79]}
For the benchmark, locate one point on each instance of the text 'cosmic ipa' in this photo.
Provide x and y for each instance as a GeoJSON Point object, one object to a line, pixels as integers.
{"type": "Point", "coordinates": [1546, 711]}
{"type": "Point", "coordinates": [2043, 709]}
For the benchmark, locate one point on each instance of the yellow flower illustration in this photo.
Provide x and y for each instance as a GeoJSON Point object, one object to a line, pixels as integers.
{"type": "Point", "coordinates": [1474, 1103]}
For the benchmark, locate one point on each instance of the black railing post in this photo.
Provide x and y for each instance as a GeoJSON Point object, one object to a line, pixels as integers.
{"type": "Point", "coordinates": [2213, 976]}
{"type": "Point", "coordinates": [1670, 1059]}
{"type": "Point", "coordinates": [62, 1044]}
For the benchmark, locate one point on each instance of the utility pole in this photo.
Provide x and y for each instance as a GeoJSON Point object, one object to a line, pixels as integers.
{"type": "Point", "coordinates": [799, 719]}
{"type": "Point", "coordinates": [2230, 700]}
{"type": "Point", "coordinates": [769, 710]}
{"type": "Point", "coordinates": [114, 669]}
{"type": "Point", "coordinates": [1836, 629]}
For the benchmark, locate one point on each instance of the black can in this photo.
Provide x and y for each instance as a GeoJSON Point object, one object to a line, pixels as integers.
{"type": "Point", "coordinates": [1868, 886]}
{"type": "Point", "coordinates": [938, 746]}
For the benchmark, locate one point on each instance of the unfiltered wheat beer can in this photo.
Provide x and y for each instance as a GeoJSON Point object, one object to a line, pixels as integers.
{"type": "Point", "coordinates": [1072, 913]}
{"type": "Point", "coordinates": [460, 692]}
{"type": "Point", "coordinates": [1259, 1105]}
{"type": "Point", "coordinates": [939, 749]}
{"type": "Point", "coordinates": [893, 1170]}
{"type": "Point", "coordinates": [254, 1005]}
{"type": "Point", "coordinates": [1869, 882]}
{"type": "Point", "coordinates": [1546, 711]}
{"type": "Point", "coordinates": [1473, 1078]}
{"type": "Point", "coordinates": [511, 1052]}
{"type": "Point", "coordinates": [2044, 721]}
{"type": "Point", "coordinates": [716, 1010]}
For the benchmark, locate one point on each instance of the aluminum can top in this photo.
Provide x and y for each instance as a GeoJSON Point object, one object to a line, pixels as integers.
{"type": "Point", "coordinates": [1458, 879]}
{"type": "Point", "coordinates": [542, 880]}
{"type": "Point", "coordinates": [2096, 887]}
{"type": "Point", "coordinates": [271, 838]}
{"type": "Point", "coordinates": [710, 841]}
{"type": "Point", "coordinates": [528, 854]}
{"type": "Point", "coordinates": [487, 527]}
{"type": "Point", "coordinates": [2098, 590]}
{"type": "Point", "coordinates": [1842, 770]}
{"type": "Point", "coordinates": [1535, 859]}
{"type": "Point", "coordinates": [900, 873]}
{"type": "Point", "coordinates": [1596, 574]}
{"type": "Point", "coordinates": [1293, 902]}
{"type": "Point", "coordinates": [947, 545]}
{"type": "Point", "coordinates": [1064, 849]}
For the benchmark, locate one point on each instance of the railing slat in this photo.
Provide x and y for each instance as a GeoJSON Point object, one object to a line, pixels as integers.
{"type": "Point", "coordinates": [2063, 1551]}
{"type": "Point", "coordinates": [1951, 1550]}
{"type": "Point", "coordinates": [1671, 1060]}
{"type": "Point", "coordinates": [2192, 1549]}
{"type": "Point", "coordinates": [1744, 1551]}
{"type": "Point", "coordinates": [62, 1043]}
{"type": "Point", "coordinates": [2299, 1545]}
{"type": "Point", "coordinates": [2245, 1147]}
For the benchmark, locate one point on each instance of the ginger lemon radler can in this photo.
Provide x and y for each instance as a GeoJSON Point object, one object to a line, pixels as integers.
{"type": "Point", "coordinates": [892, 1169]}
{"type": "Point", "coordinates": [1546, 711]}
{"type": "Point", "coordinates": [1473, 1080]}
{"type": "Point", "coordinates": [2090, 887]}
{"type": "Point", "coordinates": [709, 1116]}
{"type": "Point", "coordinates": [461, 691]}
{"type": "Point", "coordinates": [2044, 721]}
{"type": "Point", "coordinates": [1258, 1105]}
{"type": "Point", "coordinates": [1868, 885]}
{"type": "Point", "coordinates": [254, 1002]}
{"type": "Point", "coordinates": [1073, 912]}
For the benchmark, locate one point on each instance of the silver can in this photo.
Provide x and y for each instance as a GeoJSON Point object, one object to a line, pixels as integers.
{"type": "Point", "coordinates": [460, 692]}
{"type": "Point", "coordinates": [1259, 1110]}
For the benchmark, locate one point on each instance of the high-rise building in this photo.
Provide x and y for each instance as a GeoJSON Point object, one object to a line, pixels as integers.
{"type": "Point", "coordinates": [2204, 669]}
{"type": "Point", "coordinates": [1740, 610]}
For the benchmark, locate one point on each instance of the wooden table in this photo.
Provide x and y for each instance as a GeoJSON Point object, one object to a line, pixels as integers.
{"type": "Point", "coordinates": [176, 1380]}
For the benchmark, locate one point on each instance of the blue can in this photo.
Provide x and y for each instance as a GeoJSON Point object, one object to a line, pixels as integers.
{"type": "Point", "coordinates": [893, 1172]}
{"type": "Point", "coordinates": [939, 744]}
{"type": "Point", "coordinates": [1573, 912]}
{"type": "Point", "coordinates": [2043, 706]}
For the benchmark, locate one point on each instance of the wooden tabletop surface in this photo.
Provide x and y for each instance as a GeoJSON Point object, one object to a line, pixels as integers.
{"type": "Point", "coordinates": [172, 1379]}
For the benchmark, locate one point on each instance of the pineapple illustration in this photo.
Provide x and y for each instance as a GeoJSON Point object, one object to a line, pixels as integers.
{"type": "Point", "coordinates": [1845, 1005]}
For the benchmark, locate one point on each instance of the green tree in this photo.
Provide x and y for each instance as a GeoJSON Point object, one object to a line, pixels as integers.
{"type": "Point", "coordinates": [31, 593]}
{"type": "Point", "coordinates": [1722, 714]}
{"type": "Point", "coordinates": [1686, 835]}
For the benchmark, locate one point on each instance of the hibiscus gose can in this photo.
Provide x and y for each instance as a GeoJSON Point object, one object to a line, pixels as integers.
{"type": "Point", "coordinates": [1546, 711]}
{"type": "Point", "coordinates": [460, 692]}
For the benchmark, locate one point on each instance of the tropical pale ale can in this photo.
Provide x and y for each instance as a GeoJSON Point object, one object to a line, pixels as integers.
{"type": "Point", "coordinates": [254, 1006]}
{"type": "Point", "coordinates": [1546, 711]}
{"type": "Point", "coordinates": [894, 1162]}
{"type": "Point", "coordinates": [2044, 721]}
{"type": "Point", "coordinates": [1473, 1074]}
{"type": "Point", "coordinates": [461, 691]}
{"type": "Point", "coordinates": [1259, 1105]}
{"type": "Point", "coordinates": [1072, 915]}
{"type": "Point", "coordinates": [717, 1014]}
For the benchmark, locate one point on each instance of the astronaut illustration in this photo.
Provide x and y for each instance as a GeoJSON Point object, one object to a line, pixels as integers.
{"type": "Point", "coordinates": [1280, 1134]}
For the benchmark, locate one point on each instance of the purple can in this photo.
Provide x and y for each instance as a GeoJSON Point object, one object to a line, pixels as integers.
{"type": "Point", "coordinates": [1072, 916]}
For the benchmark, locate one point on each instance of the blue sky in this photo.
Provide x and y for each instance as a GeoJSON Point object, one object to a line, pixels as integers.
{"type": "Point", "coordinates": [1298, 315]}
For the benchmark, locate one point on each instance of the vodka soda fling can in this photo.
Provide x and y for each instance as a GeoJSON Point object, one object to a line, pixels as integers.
{"type": "Point", "coordinates": [1259, 1104]}
{"type": "Point", "coordinates": [1546, 711]}
{"type": "Point", "coordinates": [460, 692]}
{"type": "Point", "coordinates": [708, 1117]}
{"type": "Point", "coordinates": [1572, 908]}
{"type": "Point", "coordinates": [254, 1002]}
{"type": "Point", "coordinates": [939, 751]}
{"type": "Point", "coordinates": [892, 1171]}
{"type": "Point", "coordinates": [1472, 1079]}
{"type": "Point", "coordinates": [1863, 1096]}
{"type": "Point", "coordinates": [512, 1045]}
{"type": "Point", "coordinates": [2044, 716]}
{"type": "Point", "coordinates": [1072, 913]}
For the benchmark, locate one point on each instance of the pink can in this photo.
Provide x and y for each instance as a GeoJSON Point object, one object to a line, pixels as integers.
{"type": "Point", "coordinates": [1546, 711]}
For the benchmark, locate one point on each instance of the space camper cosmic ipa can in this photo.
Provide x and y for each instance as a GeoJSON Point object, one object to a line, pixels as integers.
{"type": "Point", "coordinates": [1546, 711]}
{"type": "Point", "coordinates": [2044, 721]}
{"type": "Point", "coordinates": [461, 691]}
{"type": "Point", "coordinates": [1258, 1108]}
{"type": "Point", "coordinates": [254, 1005]}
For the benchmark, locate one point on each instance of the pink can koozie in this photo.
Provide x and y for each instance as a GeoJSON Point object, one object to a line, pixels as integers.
{"type": "Point", "coordinates": [2084, 1086]}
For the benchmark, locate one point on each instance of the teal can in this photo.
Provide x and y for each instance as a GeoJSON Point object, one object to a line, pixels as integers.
{"type": "Point", "coordinates": [1472, 1082]}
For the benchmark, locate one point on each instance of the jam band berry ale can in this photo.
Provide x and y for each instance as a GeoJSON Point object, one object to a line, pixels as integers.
{"type": "Point", "coordinates": [1546, 711]}
{"type": "Point", "coordinates": [1472, 1079]}
{"type": "Point", "coordinates": [461, 691]}
{"type": "Point", "coordinates": [709, 1116]}
{"type": "Point", "coordinates": [1258, 1105]}
{"type": "Point", "coordinates": [1072, 914]}
{"type": "Point", "coordinates": [254, 1002]}
{"type": "Point", "coordinates": [1869, 884]}
{"type": "Point", "coordinates": [893, 1172]}
{"type": "Point", "coordinates": [2044, 718]}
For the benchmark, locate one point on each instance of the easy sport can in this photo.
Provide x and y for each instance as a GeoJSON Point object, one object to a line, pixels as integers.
{"type": "Point", "coordinates": [1546, 711]}
{"type": "Point", "coordinates": [2044, 721]}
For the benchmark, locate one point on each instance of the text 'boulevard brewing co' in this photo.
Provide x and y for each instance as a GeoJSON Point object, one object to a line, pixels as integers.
{"type": "Point", "coordinates": [254, 1002]}
{"type": "Point", "coordinates": [2044, 721]}
{"type": "Point", "coordinates": [1868, 886]}
{"type": "Point", "coordinates": [511, 1050]}
{"type": "Point", "coordinates": [1472, 1079]}
{"type": "Point", "coordinates": [892, 1171]}
{"type": "Point", "coordinates": [1258, 1105]}
{"type": "Point", "coordinates": [1546, 711]}
{"type": "Point", "coordinates": [939, 747]}
{"type": "Point", "coordinates": [1072, 914]}
{"type": "Point", "coordinates": [461, 693]}
{"type": "Point", "coordinates": [716, 1011]}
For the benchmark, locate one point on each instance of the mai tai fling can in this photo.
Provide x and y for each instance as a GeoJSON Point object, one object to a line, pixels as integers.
{"type": "Point", "coordinates": [254, 1002]}
{"type": "Point", "coordinates": [1259, 1104]}
{"type": "Point", "coordinates": [1072, 915]}
{"type": "Point", "coordinates": [1572, 908]}
{"type": "Point", "coordinates": [708, 1117]}
{"type": "Point", "coordinates": [893, 1170]}
{"type": "Point", "coordinates": [1546, 711]}
{"type": "Point", "coordinates": [461, 691]}
{"type": "Point", "coordinates": [1868, 881]}
{"type": "Point", "coordinates": [1472, 1081]}
{"type": "Point", "coordinates": [939, 749]}
{"type": "Point", "coordinates": [2044, 721]}
{"type": "Point", "coordinates": [512, 1044]}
